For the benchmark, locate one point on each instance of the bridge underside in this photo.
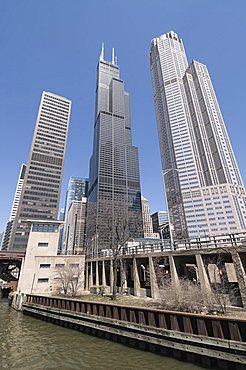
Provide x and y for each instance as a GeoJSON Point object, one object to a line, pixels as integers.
{"type": "Point", "coordinates": [10, 265]}
{"type": "Point", "coordinates": [144, 274]}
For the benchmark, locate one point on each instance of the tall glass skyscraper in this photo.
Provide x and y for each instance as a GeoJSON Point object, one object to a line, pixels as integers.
{"type": "Point", "coordinates": [114, 167]}
{"type": "Point", "coordinates": [204, 189]}
{"type": "Point", "coordinates": [77, 189]}
{"type": "Point", "coordinates": [42, 183]}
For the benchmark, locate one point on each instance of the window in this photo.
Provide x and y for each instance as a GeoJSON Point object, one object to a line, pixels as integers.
{"type": "Point", "coordinates": [43, 244]}
{"type": "Point", "coordinates": [45, 228]}
{"type": "Point", "coordinates": [43, 280]}
{"type": "Point", "coordinates": [59, 265]}
{"type": "Point", "coordinates": [44, 265]}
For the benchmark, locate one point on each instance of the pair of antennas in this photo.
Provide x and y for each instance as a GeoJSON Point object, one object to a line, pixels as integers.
{"type": "Point", "coordinates": [114, 58]}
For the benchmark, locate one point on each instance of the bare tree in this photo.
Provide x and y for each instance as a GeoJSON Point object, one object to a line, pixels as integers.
{"type": "Point", "coordinates": [69, 277]}
{"type": "Point", "coordinates": [118, 226]}
{"type": "Point", "coordinates": [188, 294]}
{"type": "Point", "coordinates": [222, 290]}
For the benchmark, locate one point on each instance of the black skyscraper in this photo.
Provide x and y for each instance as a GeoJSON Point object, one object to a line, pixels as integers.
{"type": "Point", "coordinates": [114, 167]}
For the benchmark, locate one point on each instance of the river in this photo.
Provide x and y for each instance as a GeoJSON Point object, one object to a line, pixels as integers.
{"type": "Point", "coordinates": [27, 343]}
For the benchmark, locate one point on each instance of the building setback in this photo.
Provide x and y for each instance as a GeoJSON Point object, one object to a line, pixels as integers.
{"type": "Point", "coordinates": [204, 188]}
{"type": "Point", "coordinates": [114, 188]}
{"type": "Point", "coordinates": [16, 201]}
{"type": "Point", "coordinates": [42, 184]}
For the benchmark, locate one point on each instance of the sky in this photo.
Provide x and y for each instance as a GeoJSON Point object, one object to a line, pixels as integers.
{"type": "Point", "coordinates": [54, 45]}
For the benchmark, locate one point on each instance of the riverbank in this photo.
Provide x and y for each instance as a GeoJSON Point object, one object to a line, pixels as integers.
{"type": "Point", "coordinates": [213, 341]}
{"type": "Point", "coordinates": [27, 343]}
{"type": "Point", "coordinates": [131, 300]}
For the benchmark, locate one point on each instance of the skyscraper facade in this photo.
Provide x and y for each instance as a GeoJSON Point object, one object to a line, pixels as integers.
{"type": "Point", "coordinates": [147, 220]}
{"type": "Point", "coordinates": [159, 218]}
{"type": "Point", "coordinates": [76, 227]}
{"type": "Point", "coordinates": [204, 189]}
{"type": "Point", "coordinates": [42, 183]}
{"type": "Point", "coordinates": [160, 224]}
{"type": "Point", "coordinates": [77, 189]}
{"type": "Point", "coordinates": [16, 201]}
{"type": "Point", "coordinates": [18, 192]}
{"type": "Point", "coordinates": [114, 167]}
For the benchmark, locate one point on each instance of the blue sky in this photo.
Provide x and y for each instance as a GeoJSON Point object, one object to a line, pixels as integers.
{"type": "Point", "coordinates": [54, 45]}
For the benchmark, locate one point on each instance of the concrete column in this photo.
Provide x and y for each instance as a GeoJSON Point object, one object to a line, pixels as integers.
{"type": "Point", "coordinates": [91, 277]}
{"type": "Point", "coordinates": [87, 276]}
{"type": "Point", "coordinates": [153, 281]}
{"type": "Point", "coordinates": [97, 274]}
{"type": "Point", "coordinates": [202, 274]}
{"type": "Point", "coordinates": [123, 281]}
{"type": "Point", "coordinates": [103, 274]}
{"type": "Point", "coordinates": [240, 274]}
{"type": "Point", "coordinates": [173, 271]}
{"type": "Point", "coordinates": [111, 276]}
{"type": "Point", "coordinates": [136, 280]}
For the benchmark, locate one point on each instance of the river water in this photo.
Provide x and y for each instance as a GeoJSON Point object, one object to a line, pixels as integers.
{"type": "Point", "coordinates": [27, 343]}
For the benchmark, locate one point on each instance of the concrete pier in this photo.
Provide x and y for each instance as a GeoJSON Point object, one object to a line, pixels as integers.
{"type": "Point", "coordinates": [195, 265]}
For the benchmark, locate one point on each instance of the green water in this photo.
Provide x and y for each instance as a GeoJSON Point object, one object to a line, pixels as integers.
{"type": "Point", "coordinates": [27, 343]}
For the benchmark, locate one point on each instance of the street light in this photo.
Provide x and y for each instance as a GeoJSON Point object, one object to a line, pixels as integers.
{"type": "Point", "coordinates": [164, 173]}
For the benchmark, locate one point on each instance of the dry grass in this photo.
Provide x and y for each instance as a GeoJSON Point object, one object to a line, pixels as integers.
{"type": "Point", "coordinates": [120, 300]}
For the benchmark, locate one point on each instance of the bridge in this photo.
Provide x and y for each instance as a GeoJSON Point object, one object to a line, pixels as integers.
{"type": "Point", "coordinates": [10, 265]}
{"type": "Point", "coordinates": [212, 262]}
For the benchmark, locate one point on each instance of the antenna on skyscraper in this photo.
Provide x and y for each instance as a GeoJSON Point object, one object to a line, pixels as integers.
{"type": "Point", "coordinates": [102, 53]}
{"type": "Point", "coordinates": [112, 55]}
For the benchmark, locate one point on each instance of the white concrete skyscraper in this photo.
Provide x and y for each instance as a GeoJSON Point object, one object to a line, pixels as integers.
{"type": "Point", "coordinates": [15, 205]}
{"type": "Point", "coordinates": [147, 220]}
{"type": "Point", "coordinates": [42, 183]}
{"type": "Point", "coordinates": [204, 189]}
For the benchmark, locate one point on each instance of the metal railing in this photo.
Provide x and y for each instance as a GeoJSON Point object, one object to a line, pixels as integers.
{"type": "Point", "coordinates": [147, 247]}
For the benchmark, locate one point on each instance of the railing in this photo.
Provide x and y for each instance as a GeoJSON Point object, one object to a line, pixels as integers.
{"type": "Point", "coordinates": [205, 325]}
{"type": "Point", "coordinates": [145, 247]}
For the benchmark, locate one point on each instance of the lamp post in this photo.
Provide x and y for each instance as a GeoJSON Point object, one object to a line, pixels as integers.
{"type": "Point", "coordinates": [164, 173]}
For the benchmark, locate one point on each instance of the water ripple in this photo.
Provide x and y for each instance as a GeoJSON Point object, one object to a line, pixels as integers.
{"type": "Point", "coordinates": [30, 344]}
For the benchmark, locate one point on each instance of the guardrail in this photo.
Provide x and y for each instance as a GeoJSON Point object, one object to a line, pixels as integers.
{"type": "Point", "coordinates": [157, 246]}
{"type": "Point", "coordinates": [205, 325]}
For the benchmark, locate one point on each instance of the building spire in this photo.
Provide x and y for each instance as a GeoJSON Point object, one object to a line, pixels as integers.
{"type": "Point", "coordinates": [113, 62]}
{"type": "Point", "coordinates": [102, 53]}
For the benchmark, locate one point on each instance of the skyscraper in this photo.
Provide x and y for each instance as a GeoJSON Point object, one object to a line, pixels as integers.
{"type": "Point", "coordinates": [204, 189]}
{"type": "Point", "coordinates": [159, 218]}
{"type": "Point", "coordinates": [160, 224]}
{"type": "Point", "coordinates": [114, 168]}
{"type": "Point", "coordinates": [76, 227]}
{"type": "Point", "coordinates": [147, 220]}
{"type": "Point", "coordinates": [16, 201]}
{"type": "Point", "coordinates": [77, 189]}
{"type": "Point", "coordinates": [42, 184]}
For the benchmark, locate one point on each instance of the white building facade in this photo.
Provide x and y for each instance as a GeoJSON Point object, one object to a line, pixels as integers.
{"type": "Point", "coordinates": [204, 188]}
{"type": "Point", "coordinates": [15, 205]}
{"type": "Point", "coordinates": [147, 220]}
{"type": "Point", "coordinates": [76, 227]}
{"type": "Point", "coordinates": [42, 270]}
{"type": "Point", "coordinates": [42, 183]}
